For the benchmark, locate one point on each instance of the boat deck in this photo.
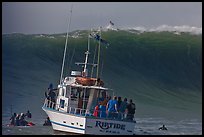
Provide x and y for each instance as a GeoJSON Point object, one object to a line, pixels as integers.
{"type": "Point", "coordinates": [78, 112]}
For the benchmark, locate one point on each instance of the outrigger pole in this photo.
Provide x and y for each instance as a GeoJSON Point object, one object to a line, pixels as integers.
{"type": "Point", "coordinates": [65, 48]}
{"type": "Point", "coordinates": [97, 73]}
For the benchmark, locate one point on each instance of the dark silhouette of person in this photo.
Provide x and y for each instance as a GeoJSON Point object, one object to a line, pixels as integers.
{"type": "Point", "coordinates": [47, 122]}
{"type": "Point", "coordinates": [17, 120]}
{"type": "Point", "coordinates": [51, 96]}
{"type": "Point", "coordinates": [163, 128]}
{"type": "Point", "coordinates": [28, 114]}
{"type": "Point", "coordinates": [12, 119]}
{"type": "Point", "coordinates": [130, 110]}
{"type": "Point", "coordinates": [22, 121]}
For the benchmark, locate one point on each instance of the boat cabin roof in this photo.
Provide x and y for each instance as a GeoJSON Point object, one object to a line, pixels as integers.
{"type": "Point", "coordinates": [90, 87]}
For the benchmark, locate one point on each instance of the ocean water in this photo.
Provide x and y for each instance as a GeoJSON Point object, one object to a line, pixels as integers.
{"type": "Point", "coordinates": [144, 126]}
{"type": "Point", "coordinates": [160, 71]}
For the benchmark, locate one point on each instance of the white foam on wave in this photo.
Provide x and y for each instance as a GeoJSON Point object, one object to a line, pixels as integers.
{"type": "Point", "coordinates": [110, 27]}
{"type": "Point", "coordinates": [176, 29]}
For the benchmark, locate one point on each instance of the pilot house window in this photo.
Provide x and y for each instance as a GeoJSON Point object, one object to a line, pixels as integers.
{"type": "Point", "coordinates": [61, 103]}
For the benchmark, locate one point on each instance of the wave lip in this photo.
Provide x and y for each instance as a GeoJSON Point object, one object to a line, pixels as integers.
{"type": "Point", "coordinates": [177, 29]}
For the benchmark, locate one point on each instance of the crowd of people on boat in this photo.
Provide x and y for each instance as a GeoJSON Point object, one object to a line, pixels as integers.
{"type": "Point", "coordinates": [115, 108]}
{"type": "Point", "coordinates": [19, 119]}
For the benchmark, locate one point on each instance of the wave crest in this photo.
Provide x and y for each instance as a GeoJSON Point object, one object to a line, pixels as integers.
{"type": "Point", "coordinates": [176, 29]}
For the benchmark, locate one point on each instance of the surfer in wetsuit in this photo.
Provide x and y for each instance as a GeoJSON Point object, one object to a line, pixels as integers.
{"type": "Point", "coordinates": [163, 128]}
{"type": "Point", "coordinates": [47, 122]}
{"type": "Point", "coordinates": [17, 120]}
{"type": "Point", "coordinates": [22, 121]}
{"type": "Point", "coordinates": [28, 114]}
{"type": "Point", "coordinates": [12, 119]}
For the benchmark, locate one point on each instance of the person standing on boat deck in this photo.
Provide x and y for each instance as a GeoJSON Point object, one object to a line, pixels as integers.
{"type": "Point", "coordinates": [112, 107]}
{"type": "Point", "coordinates": [12, 119]}
{"type": "Point", "coordinates": [51, 95]}
{"type": "Point", "coordinates": [103, 102]}
{"type": "Point", "coordinates": [122, 109]}
{"type": "Point", "coordinates": [28, 114]}
{"type": "Point", "coordinates": [96, 110]}
{"type": "Point", "coordinates": [49, 89]}
{"type": "Point", "coordinates": [130, 110]}
{"type": "Point", "coordinates": [118, 107]}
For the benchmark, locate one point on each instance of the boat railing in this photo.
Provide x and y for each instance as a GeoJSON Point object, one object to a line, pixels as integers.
{"type": "Point", "coordinates": [88, 113]}
{"type": "Point", "coordinates": [71, 110]}
{"type": "Point", "coordinates": [49, 104]}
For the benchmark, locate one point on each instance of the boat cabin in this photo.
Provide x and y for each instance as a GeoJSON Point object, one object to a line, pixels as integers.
{"type": "Point", "coordinates": [78, 99]}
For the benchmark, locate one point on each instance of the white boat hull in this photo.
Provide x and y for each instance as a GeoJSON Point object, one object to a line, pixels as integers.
{"type": "Point", "coordinates": [62, 121]}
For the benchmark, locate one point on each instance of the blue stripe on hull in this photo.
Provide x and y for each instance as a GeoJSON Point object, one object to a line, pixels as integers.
{"type": "Point", "coordinates": [66, 125]}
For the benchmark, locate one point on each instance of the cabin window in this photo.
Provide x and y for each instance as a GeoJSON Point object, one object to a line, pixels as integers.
{"type": "Point", "coordinates": [67, 91]}
{"type": "Point", "coordinates": [102, 94]}
{"type": "Point", "coordinates": [85, 97]}
{"type": "Point", "coordinates": [73, 93]}
{"type": "Point", "coordinates": [62, 103]}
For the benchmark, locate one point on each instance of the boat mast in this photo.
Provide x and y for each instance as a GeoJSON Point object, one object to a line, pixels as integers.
{"type": "Point", "coordinates": [65, 48]}
{"type": "Point", "coordinates": [86, 58]}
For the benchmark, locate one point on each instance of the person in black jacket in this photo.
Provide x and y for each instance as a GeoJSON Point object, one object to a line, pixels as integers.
{"type": "Point", "coordinates": [47, 122]}
{"type": "Point", "coordinates": [51, 96]}
{"type": "Point", "coordinates": [28, 114]}
{"type": "Point", "coordinates": [130, 110]}
{"type": "Point", "coordinates": [163, 128]}
{"type": "Point", "coordinates": [12, 119]}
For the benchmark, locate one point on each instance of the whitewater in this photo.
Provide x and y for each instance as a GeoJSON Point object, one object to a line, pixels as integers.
{"type": "Point", "coordinates": [159, 68]}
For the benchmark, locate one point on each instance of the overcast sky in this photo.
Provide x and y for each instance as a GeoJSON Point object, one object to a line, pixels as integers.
{"type": "Point", "coordinates": [52, 17]}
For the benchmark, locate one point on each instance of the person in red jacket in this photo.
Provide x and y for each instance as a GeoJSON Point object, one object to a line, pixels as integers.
{"type": "Point", "coordinates": [96, 110]}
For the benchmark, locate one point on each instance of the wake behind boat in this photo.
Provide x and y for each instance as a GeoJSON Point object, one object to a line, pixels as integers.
{"type": "Point", "coordinates": [78, 96]}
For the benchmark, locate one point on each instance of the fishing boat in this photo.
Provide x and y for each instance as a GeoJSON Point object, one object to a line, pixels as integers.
{"type": "Point", "coordinates": [77, 96]}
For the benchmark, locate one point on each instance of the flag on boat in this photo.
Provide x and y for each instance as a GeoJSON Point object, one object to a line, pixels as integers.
{"type": "Point", "coordinates": [98, 38]}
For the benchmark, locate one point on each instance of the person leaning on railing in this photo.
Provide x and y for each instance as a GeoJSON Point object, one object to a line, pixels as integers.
{"type": "Point", "coordinates": [51, 96]}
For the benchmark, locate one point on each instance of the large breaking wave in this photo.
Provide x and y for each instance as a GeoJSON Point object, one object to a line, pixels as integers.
{"type": "Point", "coordinates": [160, 71]}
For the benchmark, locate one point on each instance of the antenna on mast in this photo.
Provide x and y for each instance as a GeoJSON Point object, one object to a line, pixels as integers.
{"type": "Point", "coordinates": [65, 48]}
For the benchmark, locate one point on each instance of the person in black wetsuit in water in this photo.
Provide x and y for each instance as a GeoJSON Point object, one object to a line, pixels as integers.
{"type": "Point", "coordinates": [163, 128]}
{"type": "Point", "coordinates": [47, 122]}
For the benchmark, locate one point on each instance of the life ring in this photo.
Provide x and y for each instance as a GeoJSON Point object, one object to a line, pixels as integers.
{"type": "Point", "coordinates": [89, 81]}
